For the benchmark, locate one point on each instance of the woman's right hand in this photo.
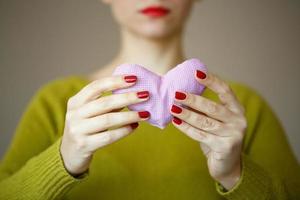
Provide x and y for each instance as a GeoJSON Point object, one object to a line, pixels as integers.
{"type": "Point", "coordinates": [89, 117]}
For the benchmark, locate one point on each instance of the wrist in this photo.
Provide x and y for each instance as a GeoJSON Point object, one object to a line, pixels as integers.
{"type": "Point", "coordinates": [229, 181]}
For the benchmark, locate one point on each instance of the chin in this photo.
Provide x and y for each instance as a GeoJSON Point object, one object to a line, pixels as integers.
{"type": "Point", "coordinates": [154, 30]}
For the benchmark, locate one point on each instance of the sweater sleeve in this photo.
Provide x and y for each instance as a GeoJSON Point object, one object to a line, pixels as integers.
{"type": "Point", "coordinates": [32, 167]}
{"type": "Point", "coordinates": [269, 167]}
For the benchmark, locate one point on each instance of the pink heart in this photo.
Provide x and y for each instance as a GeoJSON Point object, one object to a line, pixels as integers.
{"type": "Point", "coordinates": [162, 88]}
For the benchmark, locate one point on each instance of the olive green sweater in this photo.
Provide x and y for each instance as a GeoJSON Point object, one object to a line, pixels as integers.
{"type": "Point", "coordinates": [148, 164]}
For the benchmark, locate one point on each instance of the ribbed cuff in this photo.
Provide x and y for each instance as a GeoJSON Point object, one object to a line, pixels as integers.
{"type": "Point", "coordinates": [46, 176]}
{"type": "Point", "coordinates": [254, 183]}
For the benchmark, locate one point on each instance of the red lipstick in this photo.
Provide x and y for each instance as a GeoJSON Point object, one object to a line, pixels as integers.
{"type": "Point", "coordinates": [155, 11]}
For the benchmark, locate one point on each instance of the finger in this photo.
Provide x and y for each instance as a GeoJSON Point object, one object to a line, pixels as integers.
{"type": "Point", "coordinates": [111, 102]}
{"type": "Point", "coordinates": [200, 121]}
{"type": "Point", "coordinates": [97, 87]}
{"type": "Point", "coordinates": [204, 105]}
{"type": "Point", "coordinates": [223, 90]}
{"type": "Point", "coordinates": [109, 120]}
{"type": "Point", "coordinates": [101, 139]}
{"type": "Point", "coordinates": [221, 146]}
{"type": "Point", "coordinates": [211, 141]}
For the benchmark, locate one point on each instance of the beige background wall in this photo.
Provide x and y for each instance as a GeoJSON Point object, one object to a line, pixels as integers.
{"type": "Point", "coordinates": [255, 42]}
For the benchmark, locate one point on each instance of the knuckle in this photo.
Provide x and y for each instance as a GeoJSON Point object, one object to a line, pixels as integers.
{"type": "Point", "coordinates": [118, 100]}
{"type": "Point", "coordinates": [188, 115]}
{"type": "Point", "coordinates": [130, 97]}
{"type": "Point", "coordinates": [212, 108]}
{"type": "Point", "coordinates": [190, 99]}
{"type": "Point", "coordinates": [215, 125]}
{"type": "Point", "coordinates": [107, 138]}
{"type": "Point", "coordinates": [102, 83]}
{"type": "Point", "coordinates": [109, 82]}
{"type": "Point", "coordinates": [131, 116]}
{"type": "Point", "coordinates": [205, 122]}
{"type": "Point", "coordinates": [189, 129]}
{"type": "Point", "coordinates": [106, 119]}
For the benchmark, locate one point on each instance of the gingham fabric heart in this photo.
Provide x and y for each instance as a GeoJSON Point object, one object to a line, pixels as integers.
{"type": "Point", "coordinates": [161, 88]}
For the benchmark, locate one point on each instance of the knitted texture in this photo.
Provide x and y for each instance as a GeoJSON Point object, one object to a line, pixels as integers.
{"type": "Point", "coordinates": [162, 88]}
{"type": "Point", "coordinates": [43, 177]}
{"type": "Point", "coordinates": [256, 181]}
{"type": "Point", "coordinates": [146, 164]}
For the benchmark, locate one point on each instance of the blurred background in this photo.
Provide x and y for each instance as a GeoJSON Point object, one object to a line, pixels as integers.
{"type": "Point", "coordinates": [255, 42]}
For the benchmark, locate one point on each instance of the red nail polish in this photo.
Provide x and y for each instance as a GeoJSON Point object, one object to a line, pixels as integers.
{"type": "Point", "coordinates": [180, 95]}
{"type": "Point", "coordinates": [130, 79]}
{"type": "Point", "coordinates": [201, 74]}
{"type": "Point", "coordinates": [143, 94]}
{"type": "Point", "coordinates": [176, 109]}
{"type": "Point", "coordinates": [144, 114]}
{"type": "Point", "coordinates": [134, 125]}
{"type": "Point", "coordinates": [177, 120]}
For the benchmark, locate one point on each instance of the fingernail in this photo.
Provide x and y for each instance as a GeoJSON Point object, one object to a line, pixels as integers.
{"type": "Point", "coordinates": [177, 120]}
{"type": "Point", "coordinates": [143, 94]}
{"type": "Point", "coordinates": [176, 109]}
{"type": "Point", "coordinates": [130, 79]}
{"type": "Point", "coordinates": [144, 114]}
{"type": "Point", "coordinates": [180, 95]}
{"type": "Point", "coordinates": [201, 74]}
{"type": "Point", "coordinates": [134, 125]}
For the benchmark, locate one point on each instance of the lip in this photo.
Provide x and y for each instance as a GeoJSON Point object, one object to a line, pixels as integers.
{"type": "Point", "coordinates": [155, 11]}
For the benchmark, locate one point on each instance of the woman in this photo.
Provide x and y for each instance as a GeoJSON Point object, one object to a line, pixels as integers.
{"type": "Point", "coordinates": [226, 143]}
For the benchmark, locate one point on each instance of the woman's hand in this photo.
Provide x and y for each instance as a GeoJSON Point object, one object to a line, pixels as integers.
{"type": "Point", "coordinates": [89, 117]}
{"type": "Point", "coordinates": [218, 127]}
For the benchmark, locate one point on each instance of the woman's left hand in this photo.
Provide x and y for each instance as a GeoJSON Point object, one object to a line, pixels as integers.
{"type": "Point", "coordinates": [219, 127]}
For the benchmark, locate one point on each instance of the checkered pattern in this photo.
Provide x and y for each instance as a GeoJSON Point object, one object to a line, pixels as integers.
{"type": "Point", "coordinates": [161, 88]}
